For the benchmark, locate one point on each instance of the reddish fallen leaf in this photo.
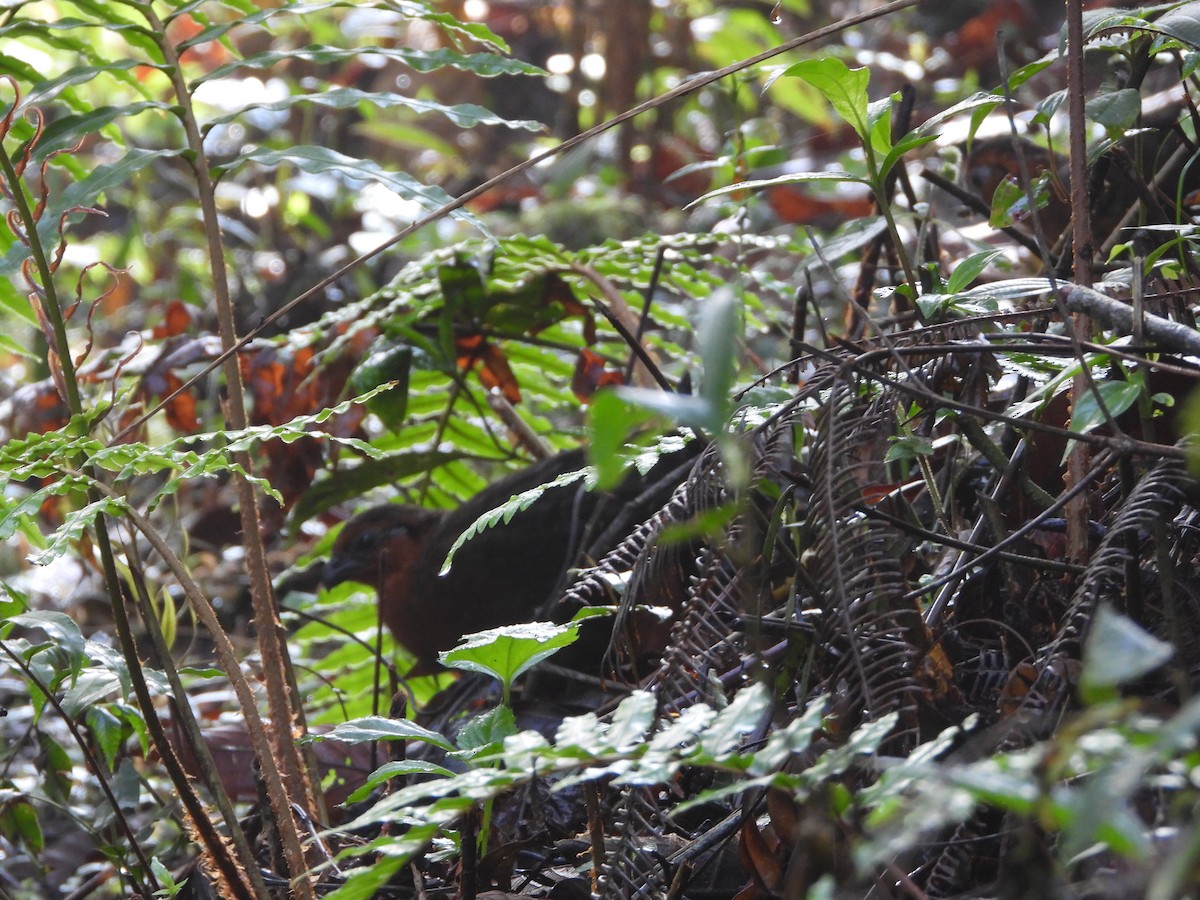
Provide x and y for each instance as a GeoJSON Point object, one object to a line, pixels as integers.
{"type": "Point", "coordinates": [175, 322]}
{"type": "Point", "coordinates": [591, 374]}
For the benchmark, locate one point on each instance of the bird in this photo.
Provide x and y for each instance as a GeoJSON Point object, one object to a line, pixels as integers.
{"type": "Point", "coordinates": [497, 578]}
{"type": "Point", "coordinates": [504, 575]}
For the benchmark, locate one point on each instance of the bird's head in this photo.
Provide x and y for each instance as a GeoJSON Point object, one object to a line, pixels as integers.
{"type": "Point", "coordinates": [380, 546]}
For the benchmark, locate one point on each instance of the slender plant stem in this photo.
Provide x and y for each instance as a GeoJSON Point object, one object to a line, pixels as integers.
{"type": "Point", "coordinates": [289, 782]}
{"type": "Point", "coordinates": [1079, 458]}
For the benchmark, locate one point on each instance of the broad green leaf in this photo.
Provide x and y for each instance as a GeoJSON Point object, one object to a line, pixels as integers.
{"type": "Point", "coordinates": [742, 716]}
{"type": "Point", "coordinates": [631, 721]}
{"type": "Point", "coordinates": [843, 87]}
{"type": "Point", "coordinates": [482, 64]}
{"type": "Point", "coordinates": [965, 273]}
{"type": "Point", "coordinates": [363, 882]}
{"type": "Point", "coordinates": [378, 728]}
{"type": "Point", "coordinates": [1010, 202]}
{"type": "Point", "coordinates": [611, 418]}
{"type": "Point", "coordinates": [386, 363]}
{"type": "Point", "coordinates": [92, 686]}
{"type": "Point", "coordinates": [487, 731]}
{"type": "Point", "coordinates": [909, 142]}
{"type": "Point", "coordinates": [19, 824]}
{"type": "Point", "coordinates": [464, 115]}
{"type": "Point", "coordinates": [60, 628]}
{"type": "Point", "coordinates": [107, 731]}
{"type": "Point", "coordinates": [679, 409]}
{"type": "Point", "coordinates": [879, 124]}
{"type": "Point", "coordinates": [978, 104]}
{"type": "Point", "coordinates": [394, 769]}
{"type": "Point", "coordinates": [717, 338]}
{"type": "Point", "coordinates": [510, 650]}
{"type": "Point", "coordinates": [1097, 20]}
{"type": "Point", "coordinates": [69, 130]}
{"type": "Point", "coordinates": [1118, 396]}
{"type": "Point", "coordinates": [908, 447]}
{"type": "Point", "coordinates": [1181, 23]}
{"type": "Point", "coordinates": [1117, 111]}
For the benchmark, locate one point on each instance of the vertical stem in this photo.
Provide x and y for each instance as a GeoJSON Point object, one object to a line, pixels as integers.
{"type": "Point", "coordinates": [289, 781]}
{"type": "Point", "coordinates": [1079, 459]}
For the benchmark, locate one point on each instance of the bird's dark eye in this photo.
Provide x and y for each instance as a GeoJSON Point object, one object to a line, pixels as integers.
{"type": "Point", "coordinates": [365, 542]}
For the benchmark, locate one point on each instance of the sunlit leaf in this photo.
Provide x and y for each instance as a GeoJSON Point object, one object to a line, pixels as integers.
{"type": "Point", "coordinates": [464, 115]}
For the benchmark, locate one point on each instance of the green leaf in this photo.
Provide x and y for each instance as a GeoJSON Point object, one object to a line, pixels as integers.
{"type": "Point", "coordinates": [1181, 23]}
{"type": "Point", "coordinates": [611, 418]}
{"type": "Point", "coordinates": [1117, 111]}
{"type": "Point", "coordinates": [678, 409]}
{"type": "Point", "coordinates": [487, 732]}
{"type": "Point", "coordinates": [170, 887]}
{"type": "Point", "coordinates": [843, 87]}
{"type": "Point", "coordinates": [717, 338]}
{"type": "Point", "coordinates": [741, 717]}
{"type": "Point", "coordinates": [908, 447]}
{"type": "Point", "coordinates": [464, 115]}
{"type": "Point", "coordinates": [107, 731]}
{"type": "Point", "coordinates": [510, 650]}
{"type": "Point", "coordinates": [505, 512]}
{"type": "Point", "coordinates": [485, 65]}
{"type": "Point", "coordinates": [464, 289]}
{"type": "Point", "coordinates": [968, 270]}
{"type": "Point", "coordinates": [249, 15]}
{"type": "Point", "coordinates": [394, 769]}
{"type": "Point", "coordinates": [350, 482]}
{"type": "Point", "coordinates": [979, 103]}
{"type": "Point", "coordinates": [60, 628]}
{"type": "Point", "coordinates": [879, 121]}
{"type": "Point", "coordinates": [1010, 202]}
{"type": "Point", "coordinates": [71, 530]}
{"type": "Point", "coordinates": [909, 142]}
{"type": "Point", "coordinates": [1118, 396]}
{"type": "Point", "coordinates": [364, 882]}
{"type": "Point", "coordinates": [386, 363]}
{"type": "Point", "coordinates": [47, 90]}
{"type": "Point", "coordinates": [19, 823]}
{"type": "Point", "coordinates": [378, 728]}
{"type": "Point", "coordinates": [18, 348]}
{"type": "Point", "coordinates": [83, 193]}
{"type": "Point", "coordinates": [92, 686]}
{"type": "Point", "coordinates": [1117, 652]}
{"type": "Point", "coordinates": [631, 721]}
{"type": "Point", "coordinates": [67, 131]}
